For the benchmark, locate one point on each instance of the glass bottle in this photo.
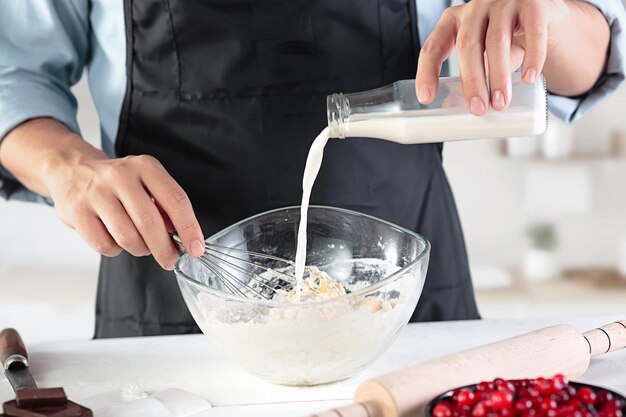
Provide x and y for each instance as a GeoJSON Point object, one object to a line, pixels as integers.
{"type": "Point", "coordinates": [394, 113]}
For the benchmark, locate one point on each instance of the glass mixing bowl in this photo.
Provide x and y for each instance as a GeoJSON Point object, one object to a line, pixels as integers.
{"type": "Point", "coordinates": [382, 266]}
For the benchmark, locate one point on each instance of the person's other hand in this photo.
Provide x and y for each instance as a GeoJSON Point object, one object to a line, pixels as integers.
{"type": "Point", "coordinates": [492, 39]}
{"type": "Point", "coordinates": [129, 203]}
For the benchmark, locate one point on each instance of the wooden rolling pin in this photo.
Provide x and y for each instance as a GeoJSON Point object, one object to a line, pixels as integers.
{"type": "Point", "coordinates": [553, 350]}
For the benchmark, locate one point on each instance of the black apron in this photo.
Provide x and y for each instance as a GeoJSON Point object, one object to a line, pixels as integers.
{"type": "Point", "coordinates": [229, 95]}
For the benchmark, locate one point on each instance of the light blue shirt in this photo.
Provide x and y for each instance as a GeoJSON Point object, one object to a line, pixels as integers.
{"type": "Point", "coordinates": [46, 44]}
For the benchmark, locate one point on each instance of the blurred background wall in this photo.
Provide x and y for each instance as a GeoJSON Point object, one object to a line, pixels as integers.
{"type": "Point", "coordinates": [581, 194]}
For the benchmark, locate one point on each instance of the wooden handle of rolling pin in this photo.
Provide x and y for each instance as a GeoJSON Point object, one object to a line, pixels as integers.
{"type": "Point", "coordinates": [607, 338]}
{"type": "Point", "coordinates": [552, 350]}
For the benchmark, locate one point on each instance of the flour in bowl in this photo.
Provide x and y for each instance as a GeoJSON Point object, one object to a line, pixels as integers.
{"type": "Point", "coordinates": [317, 286]}
{"type": "Point", "coordinates": [316, 341]}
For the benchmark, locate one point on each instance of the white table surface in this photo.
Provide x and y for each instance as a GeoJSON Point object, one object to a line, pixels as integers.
{"type": "Point", "coordinates": [88, 368]}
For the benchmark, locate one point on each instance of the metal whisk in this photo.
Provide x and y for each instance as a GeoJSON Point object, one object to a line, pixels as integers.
{"type": "Point", "coordinates": [244, 273]}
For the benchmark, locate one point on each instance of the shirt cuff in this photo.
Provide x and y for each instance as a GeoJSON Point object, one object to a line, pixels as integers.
{"type": "Point", "coordinates": [571, 109]}
{"type": "Point", "coordinates": [22, 101]}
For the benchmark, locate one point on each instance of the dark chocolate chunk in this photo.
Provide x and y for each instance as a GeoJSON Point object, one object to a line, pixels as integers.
{"type": "Point", "coordinates": [40, 397]}
{"type": "Point", "coordinates": [70, 409]}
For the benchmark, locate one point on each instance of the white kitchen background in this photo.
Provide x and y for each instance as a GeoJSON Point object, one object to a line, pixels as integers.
{"type": "Point", "coordinates": [48, 276]}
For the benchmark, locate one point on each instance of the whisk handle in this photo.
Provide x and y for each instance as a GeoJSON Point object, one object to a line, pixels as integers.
{"type": "Point", "coordinates": [178, 243]}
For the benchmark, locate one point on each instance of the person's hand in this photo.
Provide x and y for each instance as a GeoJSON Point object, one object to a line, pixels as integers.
{"type": "Point", "coordinates": [492, 39]}
{"type": "Point", "coordinates": [129, 203]}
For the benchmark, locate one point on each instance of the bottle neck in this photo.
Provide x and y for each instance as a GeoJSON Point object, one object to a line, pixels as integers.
{"type": "Point", "coordinates": [338, 112]}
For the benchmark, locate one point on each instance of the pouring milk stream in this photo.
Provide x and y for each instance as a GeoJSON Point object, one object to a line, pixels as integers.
{"type": "Point", "coordinates": [394, 113]}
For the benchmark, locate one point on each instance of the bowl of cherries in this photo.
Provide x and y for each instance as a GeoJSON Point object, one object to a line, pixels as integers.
{"type": "Point", "coordinates": [540, 397]}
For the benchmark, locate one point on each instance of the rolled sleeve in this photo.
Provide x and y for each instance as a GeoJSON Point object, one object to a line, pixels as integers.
{"type": "Point", "coordinates": [571, 109]}
{"type": "Point", "coordinates": [45, 46]}
{"type": "Point", "coordinates": [26, 100]}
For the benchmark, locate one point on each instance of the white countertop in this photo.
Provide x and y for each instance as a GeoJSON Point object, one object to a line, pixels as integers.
{"type": "Point", "coordinates": [88, 368]}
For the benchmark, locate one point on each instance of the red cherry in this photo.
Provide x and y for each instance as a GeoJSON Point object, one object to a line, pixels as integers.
{"type": "Point", "coordinates": [501, 400]}
{"type": "Point", "coordinates": [442, 409]}
{"type": "Point", "coordinates": [538, 381]}
{"type": "Point", "coordinates": [522, 405]}
{"type": "Point", "coordinates": [461, 412]}
{"type": "Point", "coordinates": [551, 413]}
{"type": "Point", "coordinates": [507, 412]}
{"type": "Point", "coordinates": [483, 386]}
{"type": "Point", "coordinates": [575, 403]}
{"type": "Point", "coordinates": [463, 397]}
{"type": "Point", "coordinates": [564, 411]}
{"type": "Point", "coordinates": [614, 403]}
{"type": "Point", "coordinates": [547, 387]}
{"type": "Point", "coordinates": [509, 387]}
{"type": "Point", "coordinates": [561, 397]}
{"type": "Point", "coordinates": [547, 405]}
{"type": "Point", "coordinates": [610, 412]}
{"type": "Point", "coordinates": [479, 410]}
{"type": "Point", "coordinates": [498, 382]}
{"type": "Point", "coordinates": [561, 379]}
{"type": "Point", "coordinates": [586, 395]}
{"type": "Point", "coordinates": [603, 397]}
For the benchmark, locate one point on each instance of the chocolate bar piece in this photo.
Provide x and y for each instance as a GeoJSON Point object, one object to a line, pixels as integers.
{"type": "Point", "coordinates": [40, 397]}
{"type": "Point", "coordinates": [70, 409]}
